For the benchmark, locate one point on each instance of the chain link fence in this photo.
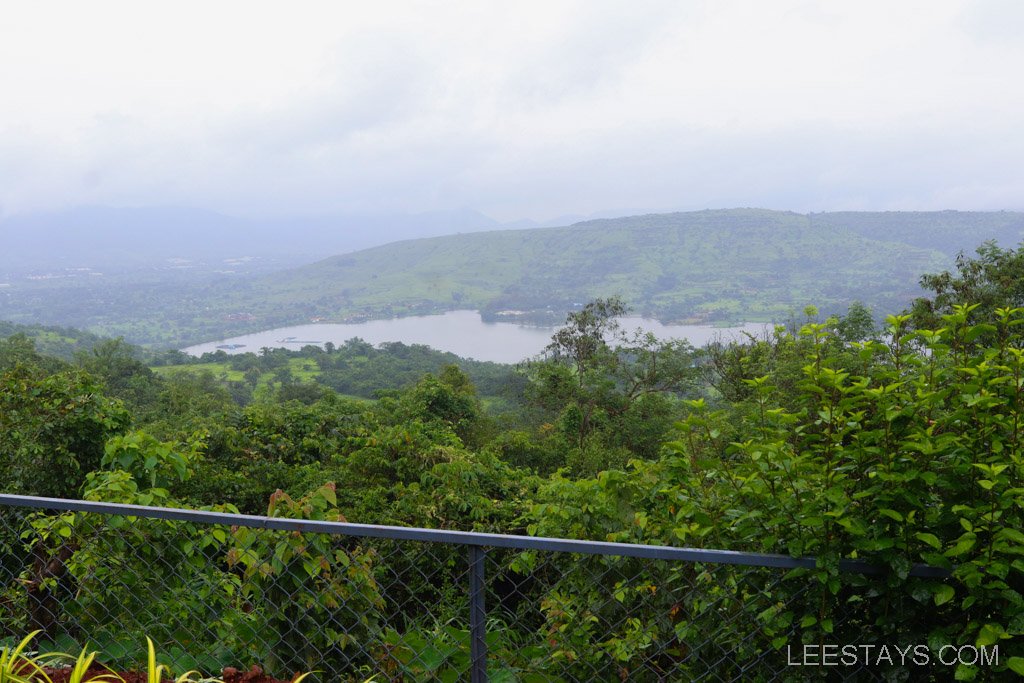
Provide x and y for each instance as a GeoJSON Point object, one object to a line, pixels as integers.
{"type": "Point", "coordinates": [355, 602]}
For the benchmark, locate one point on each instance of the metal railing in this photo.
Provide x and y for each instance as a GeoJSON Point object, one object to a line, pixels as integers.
{"type": "Point", "coordinates": [355, 601]}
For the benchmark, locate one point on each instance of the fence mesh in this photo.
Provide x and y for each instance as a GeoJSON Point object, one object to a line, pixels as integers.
{"type": "Point", "coordinates": [227, 595]}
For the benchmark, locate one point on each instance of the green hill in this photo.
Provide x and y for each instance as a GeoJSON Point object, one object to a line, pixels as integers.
{"type": "Point", "coordinates": [705, 266]}
{"type": "Point", "coordinates": [59, 342]}
{"type": "Point", "coordinates": [947, 231]}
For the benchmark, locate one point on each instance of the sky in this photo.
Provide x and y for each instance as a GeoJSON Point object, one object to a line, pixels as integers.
{"type": "Point", "coordinates": [518, 110]}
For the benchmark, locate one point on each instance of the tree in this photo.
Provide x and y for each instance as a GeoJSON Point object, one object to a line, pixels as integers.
{"type": "Point", "coordinates": [857, 325]}
{"type": "Point", "coordinates": [303, 392]}
{"type": "Point", "coordinates": [449, 399]}
{"type": "Point", "coordinates": [19, 349]}
{"type": "Point", "coordinates": [584, 339]}
{"type": "Point", "coordinates": [187, 401]}
{"type": "Point", "coordinates": [908, 451]}
{"type": "Point", "coordinates": [116, 363]}
{"type": "Point", "coordinates": [609, 390]}
{"type": "Point", "coordinates": [992, 280]}
{"type": "Point", "coordinates": [53, 429]}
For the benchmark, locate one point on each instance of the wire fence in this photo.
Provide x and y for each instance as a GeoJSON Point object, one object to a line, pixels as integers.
{"type": "Point", "coordinates": [354, 602]}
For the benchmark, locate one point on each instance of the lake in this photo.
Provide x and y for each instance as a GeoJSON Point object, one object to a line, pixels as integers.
{"type": "Point", "coordinates": [461, 332]}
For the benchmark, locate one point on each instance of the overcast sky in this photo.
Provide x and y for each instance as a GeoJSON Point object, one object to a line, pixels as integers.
{"type": "Point", "coordinates": [525, 109]}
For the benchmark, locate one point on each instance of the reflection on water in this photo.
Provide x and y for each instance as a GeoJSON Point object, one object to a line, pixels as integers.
{"type": "Point", "coordinates": [461, 332]}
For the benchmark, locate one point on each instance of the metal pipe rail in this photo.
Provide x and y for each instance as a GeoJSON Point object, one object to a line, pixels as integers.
{"type": "Point", "coordinates": [475, 543]}
{"type": "Point", "coordinates": [468, 538]}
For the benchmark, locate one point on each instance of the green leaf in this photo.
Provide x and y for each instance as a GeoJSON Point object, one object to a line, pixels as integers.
{"type": "Point", "coordinates": [977, 330]}
{"type": "Point", "coordinates": [1011, 535]}
{"type": "Point", "coordinates": [990, 634]}
{"type": "Point", "coordinates": [892, 514]}
{"type": "Point", "coordinates": [965, 673]}
{"type": "Point", "coordinates": [431, 658]}
{"type": "Point", "coordinates": [1016, 665]}
{"type": "Point", "coordinates": [944, 594]}
{"type": "Point", "coordinates": [930, 539]}
{"type": "Point", "coordinates": [965, 543]}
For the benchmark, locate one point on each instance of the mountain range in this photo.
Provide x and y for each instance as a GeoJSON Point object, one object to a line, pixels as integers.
{"type": "Point", "coordinates": [703, 266]}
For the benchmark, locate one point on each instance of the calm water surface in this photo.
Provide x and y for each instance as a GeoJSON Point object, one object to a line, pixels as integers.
{"type": "Point", "coordinates": [461, 332]}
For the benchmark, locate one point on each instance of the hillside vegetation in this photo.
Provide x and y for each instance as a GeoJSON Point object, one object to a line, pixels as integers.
{"type": "Point", "coordinates": [833, 438]}
{"type": "Point", "coordinates": [702, 266]}
{"type": "Point", "coordinates": [59, 342]}
{"type": "Point", "coordinates": [707, 266]}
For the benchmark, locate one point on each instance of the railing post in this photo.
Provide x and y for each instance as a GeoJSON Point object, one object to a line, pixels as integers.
{"type": "Point", "coordinates": [477, 616]}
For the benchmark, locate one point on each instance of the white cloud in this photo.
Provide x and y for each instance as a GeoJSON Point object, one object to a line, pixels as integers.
{"type": "Point", "coordinates": [531, 108]}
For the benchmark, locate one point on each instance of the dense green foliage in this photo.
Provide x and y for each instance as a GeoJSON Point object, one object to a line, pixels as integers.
{"type": "Point", "coordinates": [54, 429]}
{"type": "Point", "coordinates": [900, 445]}
{"type": "Point", "coordinates": [993, 280]}
{"type": "Point", "coordinates": [903, 449]}
{"type": "Point", "coordinates": [613, 402]}
{"type": "Point", "coordinates": [59, 342]}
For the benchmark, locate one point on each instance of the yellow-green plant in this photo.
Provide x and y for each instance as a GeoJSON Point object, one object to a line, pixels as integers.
{"type": "Point", "coordinates": [155, 672]}
{"type": "Point", "coordinates": [16, 667]}
{"type": "Point", "coordinates": [81, 667]}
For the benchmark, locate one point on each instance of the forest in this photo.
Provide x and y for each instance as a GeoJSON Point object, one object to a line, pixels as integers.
{"type": "Point", "coordinates": [896, 441]}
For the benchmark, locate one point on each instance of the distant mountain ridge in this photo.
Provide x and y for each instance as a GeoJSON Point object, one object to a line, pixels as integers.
{"type": "Point", "coordinates": [715, 265]}
{"type": "Point", "coordinates": [949, 232]}
{"type": "Point", "coordinates": [126, 237]}
{"type": "Point", "coordinates": [121, 238]}
{"type": "Point", "coordinates": [701, 266]}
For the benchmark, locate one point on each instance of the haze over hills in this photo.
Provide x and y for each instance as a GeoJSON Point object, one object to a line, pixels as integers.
{"type": "Point", "coordinates": [704, 266]}
{"type": "Point", "coordinates": [696, 267]}
{"type": "Point", "coordinates": [122, 238]}
{"type": "Point", "coordinates": [949, 232]}
{"type": "Point", "coordinates": [128, 237]}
